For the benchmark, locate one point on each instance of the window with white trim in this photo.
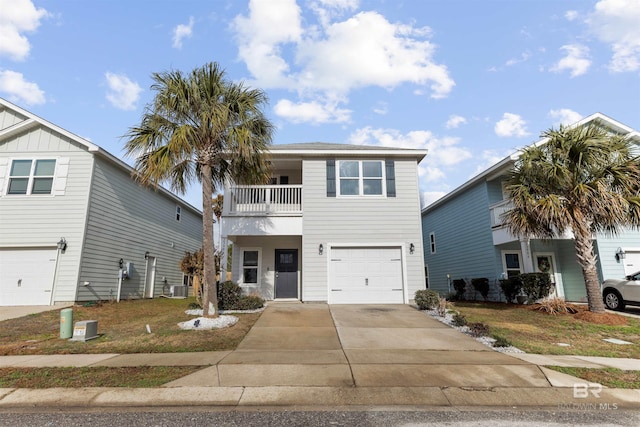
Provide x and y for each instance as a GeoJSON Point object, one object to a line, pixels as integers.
{"type": "Point", "coordinates": [361, 177]}
{"type": "Point", "coordinates": [511, 262]}
{"type": "Point", "coordinates": [250, 267]}
{"type": "Point", "coordinates": [432, 242]}
{"type": "Point", "coordinates": [29, 176]}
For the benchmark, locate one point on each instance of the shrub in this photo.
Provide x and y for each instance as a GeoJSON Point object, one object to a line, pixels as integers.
{"type": "Point", "coordinates": [426, 299]}
{"type": "Point", "coordinates": [478, 329]}
{"type": "Point", "coordinates": [459, 320]}
{"type": "Point", "coordinates": [451, 296]}
{"type": "Point", "coordinates": [228, 295]}
{"type": "Point", "coordinates": [511, 287]}
{"type": "Point", "coordinates": [555, 306]}
{"type": "Point", "coordinates": [194, 306]}
{"type": "Point", "coordinates": [442, 306]}
{"type": "Point", "coordinates": [460, 286]}
{"type": "Point", "coordinates": [536, 285]}
{"type": "Point", "coordinates": [481, 285]}
{"type": "Point", "coordinates": [249, 302]}
{"type": "Point", "coordinates": [501, 341]}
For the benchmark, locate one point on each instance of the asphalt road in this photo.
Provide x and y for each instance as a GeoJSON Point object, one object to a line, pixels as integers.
{"type": "Point", "coordinates": [290, 417]}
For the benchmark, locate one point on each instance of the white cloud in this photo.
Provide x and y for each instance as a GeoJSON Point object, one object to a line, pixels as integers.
{"type": "Point", "coordinates": [443, 152]}
{"type": "Point", "coordinates": [428, 197]}
{"type": "Point", "coordinates": [571, 15]}
{"type": "Point", "coordinates": [576, 60]}
{"type": "Point", "coordinates": [564, 116]}
{"type": "Point", "coordinates": [312, 112]}
{"type": "Point", "coordinates": [123, 93]}
{"type": "Point", "coordinates": [182, 32]}
{"type": "Point", "coordinates": [455, 121]}
{"type": "Point", "coordinates": [19, 90]}
{"type": "Point", "coordinates": [511, 125]}
{"type": "Point", "coordinates": [16, 18]}
{"type": "Point", "coordinates": [329, 58]}
{"type": "Point", "coordinates": [617, 22]}
{"type": "Point", "coordinates": [381, 108]}
{"type": "Point", "coordinates": [523, 57]}
{"type": "Point", "coordinates": [487, 159]}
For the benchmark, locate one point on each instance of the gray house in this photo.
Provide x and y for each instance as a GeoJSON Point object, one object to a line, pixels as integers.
{"type": "Point", "coordinates": [338, 223]}
{"type": "Point", "coordinates": [74, 225]}
{"type": "Point", "coordinates": [466, 238]}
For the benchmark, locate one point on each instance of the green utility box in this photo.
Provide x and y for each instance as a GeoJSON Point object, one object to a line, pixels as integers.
{"type": "Point", "coordinates": [66, 323]}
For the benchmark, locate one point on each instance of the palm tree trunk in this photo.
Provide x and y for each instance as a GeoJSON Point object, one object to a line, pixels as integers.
{"type": "Point", "coordinates": [209, 296]}
{"type": "Point", "coordinates": [587, 260]}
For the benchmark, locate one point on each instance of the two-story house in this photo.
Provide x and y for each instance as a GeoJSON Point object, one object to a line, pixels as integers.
{"type": "Point", "coordinates": [338, 223]}
{"type": "Point", "coordinates": [465, 237]}
{"type": "Point", "coordinates": [75, 226]}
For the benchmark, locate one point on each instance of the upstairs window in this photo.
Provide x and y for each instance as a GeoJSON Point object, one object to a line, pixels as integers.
{"type": "Point", "coordinates": [361, 178]}
{"type": "Point", "coordinates": [178, 213]}
{"type": "Point", "coordinates": [432, 242]}
{"type": "Point", "coordinates": [31, 176]}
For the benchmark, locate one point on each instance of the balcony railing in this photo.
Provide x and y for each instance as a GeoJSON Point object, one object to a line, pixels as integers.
{"type": "Point", "coordinates": [265, 199]}
{"type": "Point", "coordinates": [497, 210]}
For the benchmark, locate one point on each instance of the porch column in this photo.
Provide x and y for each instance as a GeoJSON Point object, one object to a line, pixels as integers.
{"type": "Point", "coordinates": [527, 258]}
{"type": "Point", "coordinates": [224, 254]}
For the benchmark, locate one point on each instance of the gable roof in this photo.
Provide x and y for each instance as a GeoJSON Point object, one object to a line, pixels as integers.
{"type": "Point", "coordinates": [324, 148]}
{"type": "Point", "coordinates": [505, 164]}
{"type": "Point", "coordinates": [32, 121]}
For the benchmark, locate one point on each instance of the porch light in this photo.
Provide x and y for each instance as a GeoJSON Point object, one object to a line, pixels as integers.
{"type": "Point", "coordinates": [320, 249]}
{"type": "Point", "coordinates": [62, 244]}
{"type": "Point", "coordinates": [620, 254]}
{"type": "Point", "coordinates": [412, 248]}
{"type": "Point", "coordinates": [146, 255]}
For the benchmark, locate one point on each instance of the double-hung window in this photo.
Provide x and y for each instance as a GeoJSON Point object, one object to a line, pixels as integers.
{"type": "Point", "coordinates": [250, 264]}
{"type": "Point", "coordinates": [28, 176]}
{"type": "Point", "coordinates": [361, 178]}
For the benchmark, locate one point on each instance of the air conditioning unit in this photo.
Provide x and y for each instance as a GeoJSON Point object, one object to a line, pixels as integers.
{"type": "Point", "coordinates": [179, 291]}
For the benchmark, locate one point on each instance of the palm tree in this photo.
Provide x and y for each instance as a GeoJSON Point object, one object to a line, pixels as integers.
{"type": "Point", "coordinates": [201, 126]}
{"type": "Point", "coordinates": [582, 179]}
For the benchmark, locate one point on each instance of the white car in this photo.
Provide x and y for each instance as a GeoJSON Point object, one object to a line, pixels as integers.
{"type": "Point", "coordinates": [617, 293]}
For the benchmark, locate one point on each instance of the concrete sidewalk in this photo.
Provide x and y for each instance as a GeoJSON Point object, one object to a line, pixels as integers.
{"type": "Point", "coordinates": [320, 355]}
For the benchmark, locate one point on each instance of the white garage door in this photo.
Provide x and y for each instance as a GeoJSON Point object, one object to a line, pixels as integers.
{"type": "Point", "coordinates": [26, 276]}
{"type": "Point", "coordinates": [366, 276]}
{"type": "Point", "coordinates": [631, 262]}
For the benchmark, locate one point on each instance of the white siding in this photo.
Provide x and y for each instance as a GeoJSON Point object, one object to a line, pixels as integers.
{"type": "Point", "coordinates": [41, 220]}
{"type": "Point", "coordinates": [364, 220]}
{"type": "Point", "coordinates": [125, 221]}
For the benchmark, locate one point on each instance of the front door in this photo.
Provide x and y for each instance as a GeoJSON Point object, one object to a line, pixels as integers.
{"type": "Point", "coordinates": [286, 273]}
{"type": "Point", "coordinates": [545, 263]}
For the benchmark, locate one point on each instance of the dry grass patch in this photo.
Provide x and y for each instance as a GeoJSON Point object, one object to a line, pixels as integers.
{"type": "Point", "coordinates": [144, 376]}
{"type": "Point", "coordinates": [609, 377]}
{"type": "Point", "coordinates": [122, 329]}
{"type": "Point", "coordinates": [537, 332]}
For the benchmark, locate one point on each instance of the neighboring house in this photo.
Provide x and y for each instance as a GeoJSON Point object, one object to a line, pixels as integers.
{"type": "Point", "coordinates": [339, 223]}
{"type": "Point", "coordinates": [72, 217]}
{"type": "Point", "coordinates": [465, 237]}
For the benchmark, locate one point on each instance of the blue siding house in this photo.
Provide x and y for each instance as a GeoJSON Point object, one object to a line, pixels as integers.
{"type": "Point", "coordinates": [464, 237]}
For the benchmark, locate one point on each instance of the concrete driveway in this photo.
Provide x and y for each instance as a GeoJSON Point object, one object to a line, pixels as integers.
{"type": "Point", "coordinates": [13, 312]}
{"type": "Point", "coordinates": [363, 346]}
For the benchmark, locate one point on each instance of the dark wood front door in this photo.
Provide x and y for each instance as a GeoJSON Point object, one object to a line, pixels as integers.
{"type": "Point", "coordinates": [286, 272]}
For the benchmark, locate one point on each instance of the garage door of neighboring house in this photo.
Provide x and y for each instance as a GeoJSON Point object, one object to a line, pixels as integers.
{"type": "Point", "coordinates": [26, 276]}
{"type": "Point", "coordinates": [366, 276]}
{"type": "Point", "coordinates": [631, 262]}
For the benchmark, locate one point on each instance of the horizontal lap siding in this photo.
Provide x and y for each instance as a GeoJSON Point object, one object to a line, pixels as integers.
{"type": "Point", "coordinates": [464, 244]}
{"type": "Point", "coordinates": [125, 221]}
{"type": "Point", "coordinates": [358, 220]}
{"type": "Point", "coordinates": [43, 220]}
{"type": "Point", "coordinates": [607, 246]}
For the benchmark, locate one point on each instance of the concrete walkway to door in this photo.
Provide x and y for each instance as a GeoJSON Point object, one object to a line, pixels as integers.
{"type": "Point", "coordinates": [366, 346]}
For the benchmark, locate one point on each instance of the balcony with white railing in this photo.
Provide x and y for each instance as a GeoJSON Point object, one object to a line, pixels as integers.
{"type": "Point", "coordinates": [497, 210]}
{"type": "Point", "coordinates": [250, 200]}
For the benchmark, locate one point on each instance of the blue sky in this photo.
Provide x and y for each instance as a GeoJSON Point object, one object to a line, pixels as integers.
{"type": "Point", "coordinates": [471, 81]}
